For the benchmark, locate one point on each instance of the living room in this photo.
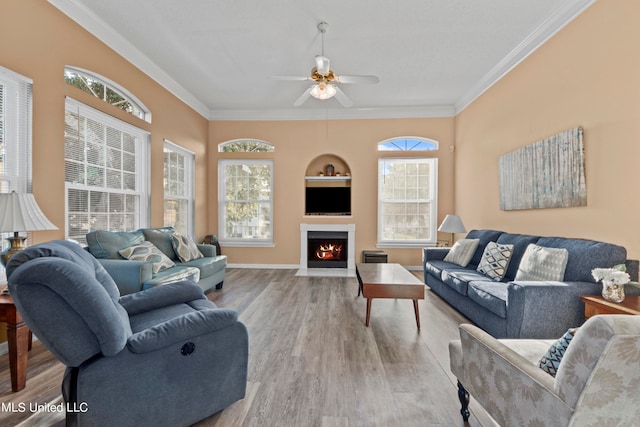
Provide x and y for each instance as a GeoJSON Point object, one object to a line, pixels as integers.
{"type": "Point", "coordinates": [584, 75]}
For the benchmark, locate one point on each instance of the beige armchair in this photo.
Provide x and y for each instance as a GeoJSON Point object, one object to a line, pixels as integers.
{"type": "Point", "coordinates": [597, 382]}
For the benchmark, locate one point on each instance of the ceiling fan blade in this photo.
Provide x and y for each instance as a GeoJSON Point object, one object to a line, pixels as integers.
{"type": "Point", "coordinates": [298, 78]}
{"type": "Point", "coordinates": [303, 98]}
{"type": "Point", "coordinates": [358, 79]}
{"type": "Point", "coordinates": [323, 64]}
{"type": "Point", "coordinates": [343, 98]}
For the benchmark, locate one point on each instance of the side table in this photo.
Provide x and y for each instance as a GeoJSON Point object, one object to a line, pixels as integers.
{"type": "Point", "coordinates": [18, 340]}
{"type": "Point", "coordinates": [594, 305]}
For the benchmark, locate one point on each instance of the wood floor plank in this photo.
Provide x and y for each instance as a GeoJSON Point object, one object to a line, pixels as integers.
{"type": "Point", "coordinates": [312, 360]}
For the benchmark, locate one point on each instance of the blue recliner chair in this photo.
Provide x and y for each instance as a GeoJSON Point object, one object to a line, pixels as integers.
{"type": "Point", "coordinates": [165, 356]}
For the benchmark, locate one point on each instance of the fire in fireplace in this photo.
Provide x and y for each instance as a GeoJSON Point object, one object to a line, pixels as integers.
{"type": "Point", "coordinates": [327, 249]}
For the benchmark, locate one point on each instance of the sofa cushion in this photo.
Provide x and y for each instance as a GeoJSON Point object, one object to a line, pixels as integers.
{"type": "Point", "coordinates": [185, 247]}
{"type": "Point", "coordinates": [161, 238]}
{"type": "Point", "coordinates": [179, 273]}
{"type": "Point", "coordinates": [520, 243]}
{"type": "Point", "coordinates": [485, 236]}
{"type": "Point", "coordinates": [208, 265]}
{"type": "Point", "coordinates": [490, 295]}
{"type": "Point", "coordinates": [146, 251]}
{"type": "Point", "coordinates": [459, 279]}
{"type": "Point", "coordinates": [435, 268]}
{"type": "Point", "coordinates": [462, 251]}
{"type": "Point", "coordinates": [495, 260]}
{"type": "Point", "coordinates": [585, 255]}
{"type": "Point", "coordinates": [541, 263]}
{"type": "Point", "coordinates": [106, 244]}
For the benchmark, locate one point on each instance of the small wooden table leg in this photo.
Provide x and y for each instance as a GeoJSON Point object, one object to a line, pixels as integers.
{"type": "Point", "coordinates": [18, 340]}
{"type": "Point", "coordinates": [368, 311]}
{"type": "Point", "coordinates": [415, 309]}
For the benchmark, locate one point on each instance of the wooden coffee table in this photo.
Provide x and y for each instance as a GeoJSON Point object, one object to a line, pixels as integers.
{"type": "Point", "coordinates": [388, 281]}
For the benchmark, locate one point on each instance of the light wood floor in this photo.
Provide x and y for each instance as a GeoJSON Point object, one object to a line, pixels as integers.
{"type": "Point", "coordinates": [312, 361]}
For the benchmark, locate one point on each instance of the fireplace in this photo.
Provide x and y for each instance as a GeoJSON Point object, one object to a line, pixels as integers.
{"type": "Point", "coordinates": [327, 249]}
{"type": "Point", "coordinates": [329, 259]}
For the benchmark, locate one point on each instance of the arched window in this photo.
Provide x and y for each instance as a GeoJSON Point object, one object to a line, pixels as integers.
{"type": "Point", "coordinates": [245, 146]}
{"type": "Point", "coordinates": [108, 91]}
{"type": "Point", "coordinates": [408, 143]}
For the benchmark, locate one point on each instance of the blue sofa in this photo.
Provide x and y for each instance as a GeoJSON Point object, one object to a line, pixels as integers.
{"type": "Point", "coordinates": [133, 276]}
{"type": "Point", "coordinates": [523, 309]}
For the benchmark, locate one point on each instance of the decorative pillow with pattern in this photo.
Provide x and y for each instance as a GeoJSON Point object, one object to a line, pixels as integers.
{"type": "Point", "coordinates": [551, 359]}
{"type": "Point", "coordinates": [495, 260]}
{"type": "Point", "coordinates": [185, 248]}
{"type": "Point", "coordinates": [146, 251]}
{"type": "Point", "coordinates": [542, 263]}
{"type": "Point", "coordinates": [462, 252]}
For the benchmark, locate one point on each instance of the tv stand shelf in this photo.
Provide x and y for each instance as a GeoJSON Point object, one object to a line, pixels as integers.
{"type": "Point", "coordinates": [327, 178]}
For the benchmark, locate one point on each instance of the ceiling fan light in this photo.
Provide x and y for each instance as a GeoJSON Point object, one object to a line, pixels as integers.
{"type": "Point", "coordinates": [323, 91]}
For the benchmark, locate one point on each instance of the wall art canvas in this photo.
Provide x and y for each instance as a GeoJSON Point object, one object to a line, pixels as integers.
{"type": "Point", "coordinates": [546, 174]}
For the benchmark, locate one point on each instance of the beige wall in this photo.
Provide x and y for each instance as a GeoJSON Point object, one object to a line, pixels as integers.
{"type": "Point", "coordinates": [297, 144]}
{"type": "Point", "coordinates": [589, 75]}
{"type": "Point", "coordinates": [38, 42]}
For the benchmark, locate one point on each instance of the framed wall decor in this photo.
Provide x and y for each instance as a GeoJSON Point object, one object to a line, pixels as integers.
{"type": "Point", "coordinates": [546, 174]}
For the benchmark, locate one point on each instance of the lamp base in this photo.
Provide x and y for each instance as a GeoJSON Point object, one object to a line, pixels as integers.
{"type": "Point", "coordinates": [16, 245]}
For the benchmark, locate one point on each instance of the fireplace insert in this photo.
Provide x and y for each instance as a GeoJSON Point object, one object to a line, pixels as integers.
{"type": "Point", "coordinates": [327, 249]}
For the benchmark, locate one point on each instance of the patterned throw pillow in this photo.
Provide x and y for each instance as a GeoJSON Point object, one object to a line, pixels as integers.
{"type": "Point", "coordinates": [495, 260]}
{"type": "Point", "coordinates": [146, 251]}
{"type": "Point", "coordinates": [462, 251]}
{"type": "Point", "coordinates": [185, 248]}
{"type": "Point", "coordinates": [542, 263]}
{"type": "Point", "coordinates": [551, 359]}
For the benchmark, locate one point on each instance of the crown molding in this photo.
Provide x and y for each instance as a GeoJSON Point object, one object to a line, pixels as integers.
{"type": "Point", "coordinates": [96, 26]}
{"type": "Point", "coordinates": [422, 111]}
{"type": "Point", "coordinates": [556, 21]}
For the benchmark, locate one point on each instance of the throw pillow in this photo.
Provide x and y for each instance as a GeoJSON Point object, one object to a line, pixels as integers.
{"type": "Point", "coordinates": [551, 359]}
{"type": "Point", "coordinates": [541, 263]}
{"type": "Point", "coordinates": [495, 260]}
{"type": "Point", "coordinates": [146, 251]}
{"type": "Point", "coordinates": [185, 248]}
{"type": "Point", "coordinates": [462, 251]}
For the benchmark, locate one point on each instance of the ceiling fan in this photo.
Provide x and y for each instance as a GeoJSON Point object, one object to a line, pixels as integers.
{"type": "Point", "coordinates": [325, 80]}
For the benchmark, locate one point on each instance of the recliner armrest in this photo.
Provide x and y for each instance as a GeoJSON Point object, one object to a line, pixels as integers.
{"type": "Point", "coordinates": [181, 329]}
{"type": "Point", "coordinates": [162, 296]}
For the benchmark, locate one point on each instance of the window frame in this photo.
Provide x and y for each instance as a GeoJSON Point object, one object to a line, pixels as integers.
{"type": "Point", "coordinates": [385, 146]}
{"type": "Point", "coordinates": [143, 164]}
{"type": "Point", "coordinates": [242, 241]}
{"type": "Point", "coordinates": [433, 200]}
{"type": "Point", "coordinates": [189, 185]}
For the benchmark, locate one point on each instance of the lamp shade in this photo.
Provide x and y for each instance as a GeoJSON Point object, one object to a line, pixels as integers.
{"type": "Point", "coordinates": [20, 212]}
{"type": "Point", "coordinates": [452, 224]}
{"type": "Point", "coordinates": [323, 91]}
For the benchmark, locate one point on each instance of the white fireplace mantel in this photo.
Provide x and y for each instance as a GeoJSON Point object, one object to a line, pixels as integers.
{"type": "Point", "coordinates": [351, 245]}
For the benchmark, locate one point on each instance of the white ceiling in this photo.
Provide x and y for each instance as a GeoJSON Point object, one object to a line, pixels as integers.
{"type": "Point", "coordinates": [433, 57]}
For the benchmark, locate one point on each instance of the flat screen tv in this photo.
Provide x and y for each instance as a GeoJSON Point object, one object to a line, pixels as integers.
{"type": "Point", "coordinates": [328, 201]}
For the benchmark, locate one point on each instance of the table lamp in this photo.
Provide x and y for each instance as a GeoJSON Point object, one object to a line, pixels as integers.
{"type": "Point", "coordinates": [20, 212]}
{"type": "Point", "coordinates": [452, 224]}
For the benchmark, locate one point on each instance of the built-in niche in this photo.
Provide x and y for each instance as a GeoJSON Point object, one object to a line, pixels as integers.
{"type": "Point", "coordinates": [328, 187]}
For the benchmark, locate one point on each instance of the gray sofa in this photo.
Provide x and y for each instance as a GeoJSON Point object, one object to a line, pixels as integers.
{"type": "Point", "coordinates": [133, 276]}
{"type": "Point", "coordinates": [523, 309]}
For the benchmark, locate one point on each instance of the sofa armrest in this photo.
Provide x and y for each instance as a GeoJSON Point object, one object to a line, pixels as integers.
{"type": "Point", "coordinates": [530, 302]}
{"type": "Point", "coordinates": [181, 329]}
{"type": "Point", "coordinates": [494, 372]}
{"type": "Point", "coordinates": [128, 275]}
{"type": "Point", "coordinates": [434, 254]}
{"type": "Point", "coordinates": [207, 250]}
